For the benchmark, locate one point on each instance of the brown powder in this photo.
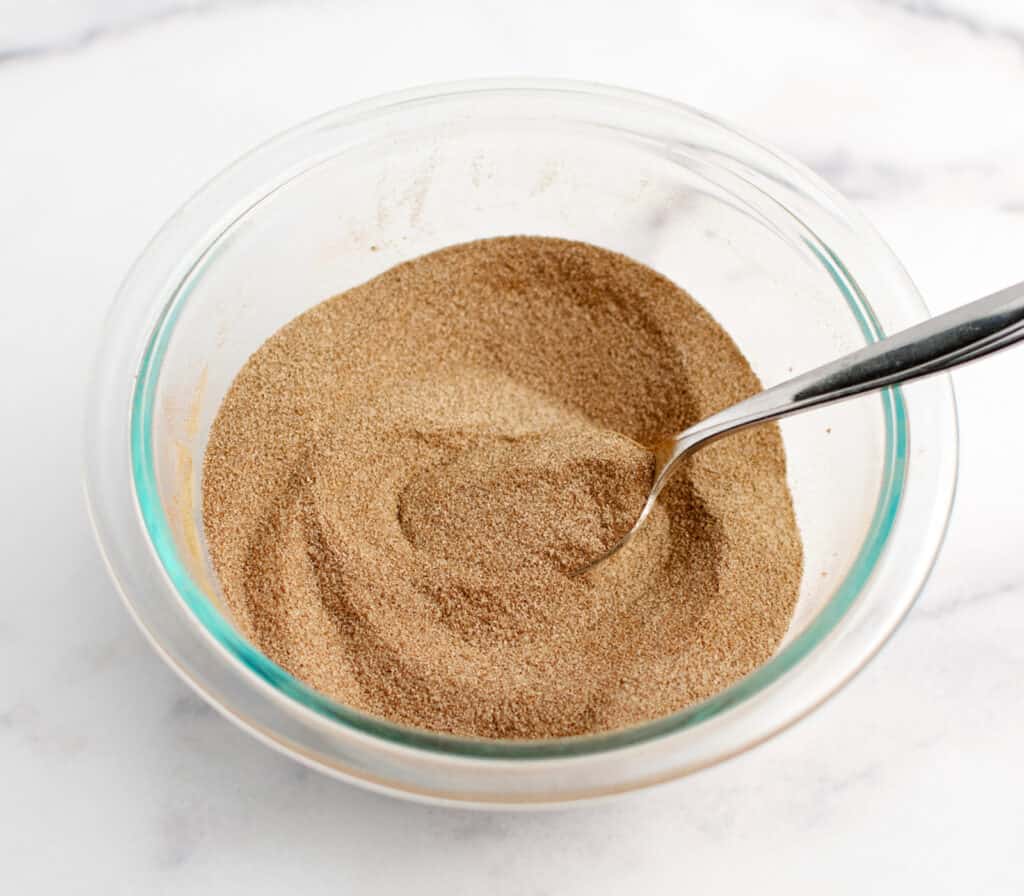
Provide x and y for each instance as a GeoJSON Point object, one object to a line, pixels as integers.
{"type": "Point", "coordinates": [400, 481]}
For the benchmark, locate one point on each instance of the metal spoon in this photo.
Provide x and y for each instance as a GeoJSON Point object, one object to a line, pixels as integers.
{"type": "Point", "coordinates": [944, 342]}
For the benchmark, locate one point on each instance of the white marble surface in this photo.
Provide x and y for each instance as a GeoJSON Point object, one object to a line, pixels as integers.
{"type": "Point", "coordinates": [117, 779]}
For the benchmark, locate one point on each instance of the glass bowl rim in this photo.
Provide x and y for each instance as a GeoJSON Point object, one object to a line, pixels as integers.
{"type": "Point", "coordinates": [216, 626]}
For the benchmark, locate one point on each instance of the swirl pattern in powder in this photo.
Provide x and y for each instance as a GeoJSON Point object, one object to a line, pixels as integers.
{"type": "Point", "coordinates": [400, 482]}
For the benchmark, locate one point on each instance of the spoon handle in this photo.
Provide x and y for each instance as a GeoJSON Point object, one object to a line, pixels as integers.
{"type": "Point", "coordinates": [965, 334]}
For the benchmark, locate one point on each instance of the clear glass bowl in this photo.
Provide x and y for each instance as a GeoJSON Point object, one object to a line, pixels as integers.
{"type": "Point", "coordinates": [784, 263]}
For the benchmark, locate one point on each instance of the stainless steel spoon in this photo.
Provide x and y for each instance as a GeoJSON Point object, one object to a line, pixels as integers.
{"type": "Point", "coordinates": [963, 335]}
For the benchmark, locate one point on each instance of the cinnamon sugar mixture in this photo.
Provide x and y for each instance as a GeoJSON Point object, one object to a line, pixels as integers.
{"type": "Point", "coordinates": [400, 481]}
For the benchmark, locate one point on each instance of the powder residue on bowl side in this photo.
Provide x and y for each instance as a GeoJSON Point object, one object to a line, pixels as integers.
{"type": "Point", "coordinates": [400, 483]}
